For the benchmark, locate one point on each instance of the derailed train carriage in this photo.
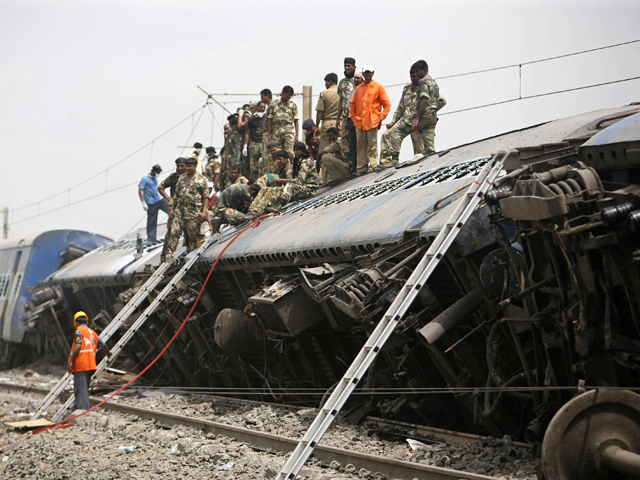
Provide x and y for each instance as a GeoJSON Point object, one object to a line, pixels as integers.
{"type": "Point", "coordinates": [541, 288]}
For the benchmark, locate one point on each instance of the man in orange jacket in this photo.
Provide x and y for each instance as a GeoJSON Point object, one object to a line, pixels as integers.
{"type": "Point", "coordinates": [82, 360]}
{"type": "Point", "coordinates": [369, 107]}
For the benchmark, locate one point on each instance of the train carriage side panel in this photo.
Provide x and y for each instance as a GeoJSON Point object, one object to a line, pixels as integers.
{"type": "Point", "coordinates": [29, 260]}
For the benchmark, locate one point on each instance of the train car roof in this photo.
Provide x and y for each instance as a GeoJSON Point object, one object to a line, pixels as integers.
{"type": "Point", "coordinates": [31, 238]}
{"type": "Point", "coordinates": [360, 214]}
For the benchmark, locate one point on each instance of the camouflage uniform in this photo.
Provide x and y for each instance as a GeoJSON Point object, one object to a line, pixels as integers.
{"type": "Point", "coordinates": [282, 116]}
{"type": "Point", "coordinates": [304, 185]}
{"type": "Point", "coordinates": [265, 139]}
{"type": "Point", "coordinates": [169, 184]}
{"type": "Point", "coordinates": [232, 150]}
{"type": "Point", "coordinates": [226, 180]}
{"type": "Point", "coordinates": [189, 201]}
{"type": "Point", "coordinates": [423, 138]}
{"type": "Point", "coordinates": [267, 197]}
{"type": "Point", "coordinates": [256, 147]}
{"type": "Point", "coordinates": [232, 203]}
{"type": "Point", "coordinates": [345, 87]}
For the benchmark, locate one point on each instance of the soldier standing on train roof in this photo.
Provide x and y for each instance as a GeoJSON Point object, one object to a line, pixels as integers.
{"type": "Point", "coordinates": [170, 182]}
{"type": "Point", "coordinates": [188, 209]}
{"type": "Point", "coordinates": [82, 360]}
{"type": "Point", "coordinates": [282, 120]}
{"type": "Point", "coordinates": [415, 116]}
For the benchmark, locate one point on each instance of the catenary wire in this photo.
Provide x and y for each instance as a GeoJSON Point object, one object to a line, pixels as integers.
{"type": "Point", "coordinates": [69, 204]}
{"type": "Point", "coordinates": [539, 95]}
{"type": "Point", "coordinates": [111, 166]}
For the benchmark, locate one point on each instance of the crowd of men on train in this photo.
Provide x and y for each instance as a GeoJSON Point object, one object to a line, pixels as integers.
{"type": "Point", "coordinates": [263, 165]}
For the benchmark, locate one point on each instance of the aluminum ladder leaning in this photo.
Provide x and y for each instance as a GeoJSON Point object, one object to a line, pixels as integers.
{"type": "Point", "coordinates": [468, 203]}
{"type": "Point", "coordinates": [119, 320]}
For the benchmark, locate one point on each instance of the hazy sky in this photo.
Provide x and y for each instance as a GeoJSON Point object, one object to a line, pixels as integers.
{"type": "Point", "coordinates": [85, 84]}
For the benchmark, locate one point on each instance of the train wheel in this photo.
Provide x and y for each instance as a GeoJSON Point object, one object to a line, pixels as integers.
{"type": "Point", "coordinates": [594, 436]}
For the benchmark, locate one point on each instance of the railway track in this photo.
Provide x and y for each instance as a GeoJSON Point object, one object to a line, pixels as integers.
{"type": "Point", "coordinates": [392, 468]}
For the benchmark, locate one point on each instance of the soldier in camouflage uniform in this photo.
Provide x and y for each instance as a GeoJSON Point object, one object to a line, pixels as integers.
{"type": "Point", "coordinates": [272, 186]}
{"type": "Point", "coordinates": [304, 183]}
{"type": "Point", "coordinates": [232, 146]}
{"type": "Point", "coordinates": [212, 170]}
{"type": "Point", "coordinates": [234, 176]}
{"type": "Point", "coordinates": [188, 209]}
{"type": "Point", "coordinates": [254, 140]}
{"type": "Point", "coordinates": [416, 113]}
{"type": "Point", "coordinates": [345, 87]}
{"type": "Point", "coordinates": [283, 120]}
{"type": "Point", "coordinates": [234, 201]}
{"type": "Point", "coordinates": [266, 98]}
{"type": "Point", "coordinates": [170, 183]}
{"type": "Point", "coordinates": [285, 171]}
{"type": "Point", "coordinates": [271, 164]}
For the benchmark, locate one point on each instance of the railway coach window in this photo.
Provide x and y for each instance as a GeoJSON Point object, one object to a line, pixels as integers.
{"type": "Point", "coordinates": [18, 282]}
{"type": "Point", "coordinates": [4, 284]}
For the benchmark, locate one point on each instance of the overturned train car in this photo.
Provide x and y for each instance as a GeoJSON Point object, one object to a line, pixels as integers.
{"type": "Point", "coordinates": [541, 288]}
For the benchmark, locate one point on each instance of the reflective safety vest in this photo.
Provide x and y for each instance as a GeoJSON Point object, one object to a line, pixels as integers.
{"type": "Point", "coordinates": [86, 359]}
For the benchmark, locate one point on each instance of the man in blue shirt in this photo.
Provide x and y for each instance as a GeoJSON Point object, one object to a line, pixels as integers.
{"type": "Point", "coordinates": [152, 201]}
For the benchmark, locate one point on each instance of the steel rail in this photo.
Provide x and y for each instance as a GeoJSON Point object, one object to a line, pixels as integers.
{"type": "Point", "coordinates": [391, 467]}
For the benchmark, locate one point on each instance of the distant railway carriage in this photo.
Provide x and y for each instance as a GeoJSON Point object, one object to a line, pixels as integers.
{"type": "Point", "coordinates": [26, 261]}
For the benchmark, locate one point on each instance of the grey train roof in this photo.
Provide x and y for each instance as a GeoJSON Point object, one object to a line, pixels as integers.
{"type": "Point", "coordinates": [378, 208]}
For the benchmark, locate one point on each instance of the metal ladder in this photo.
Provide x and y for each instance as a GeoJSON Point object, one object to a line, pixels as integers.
{"type": "Point", "coordinates": [119, 320]}
{"type": "Point", "coordinates": [388, 323]}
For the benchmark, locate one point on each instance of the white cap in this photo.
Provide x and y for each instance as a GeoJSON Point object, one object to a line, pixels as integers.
{"type": "Point", "coordinates": [358, 73]}
{"type": "Point", "coordinates": [367, 68]}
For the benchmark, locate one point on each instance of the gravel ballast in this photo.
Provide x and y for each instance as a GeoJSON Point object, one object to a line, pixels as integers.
{"type": "Point", "coordinates": [95, 447]}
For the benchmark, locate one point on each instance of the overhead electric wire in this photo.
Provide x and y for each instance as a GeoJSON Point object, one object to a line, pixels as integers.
{"type": "Point", "coordinates": [526, 97]}
{"type": "Point", "coordinates": [110, 166]}
{"type": "Point", "coordinates": [106, 191]}
{"type": "Point", "coordinates": [531, 62]}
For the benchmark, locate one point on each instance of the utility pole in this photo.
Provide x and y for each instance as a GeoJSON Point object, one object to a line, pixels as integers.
{"type": "Point", "coordinates": [5, 222]}
{"type": "Point", "coordinates": [306, 103]}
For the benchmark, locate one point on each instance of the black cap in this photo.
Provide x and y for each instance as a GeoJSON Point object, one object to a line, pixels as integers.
{"type": "Point", "coordinates": [308, 123]}
{"type": "Point", "coordinates": [180, 160]}
{"type": "Point", "coordinates": [211, 150]}
{"type": "Point", "coordinates": [197, 145]}
{"type": "Point", "coordinates": [350, 61]}
{"type": "Point", "coordinates": [300, 146]}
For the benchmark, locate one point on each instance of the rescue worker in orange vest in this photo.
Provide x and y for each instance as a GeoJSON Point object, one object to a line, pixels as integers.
{"type": "Point", "coordinates": [82, 360]}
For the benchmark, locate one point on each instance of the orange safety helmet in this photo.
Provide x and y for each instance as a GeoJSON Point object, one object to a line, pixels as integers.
{"type": "Point", "coordinates": [78, 315]}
